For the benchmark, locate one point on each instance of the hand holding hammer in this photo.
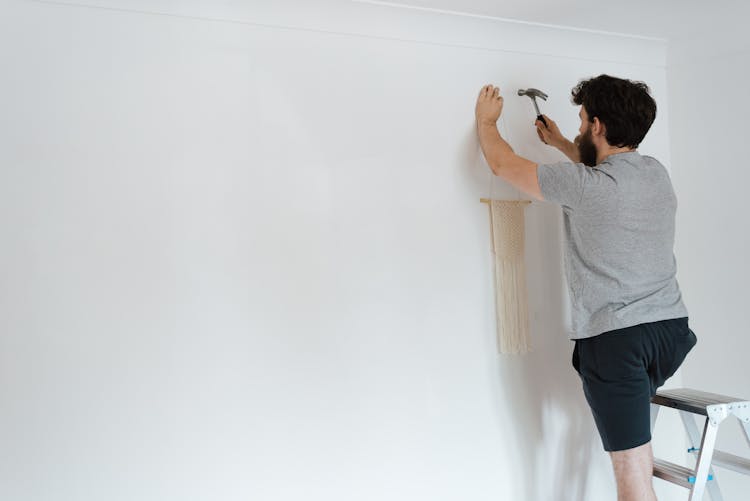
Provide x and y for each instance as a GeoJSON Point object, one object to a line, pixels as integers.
{"type": "Point", "coordinates": [546, 128]}
{"type": "Point", "coordinates": [533, 94]}
{"type": "Point", "coordinates": [549, 132]}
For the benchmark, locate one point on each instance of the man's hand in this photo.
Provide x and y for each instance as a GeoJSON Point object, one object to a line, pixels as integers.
{"type": "Point", "coordinates": [550, 134]}
{"type": "Point", "coordinates": [489, 105]}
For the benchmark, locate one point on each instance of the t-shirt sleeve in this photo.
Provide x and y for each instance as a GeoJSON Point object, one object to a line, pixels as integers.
{"type": "Point", "coordinates": [563, 183]}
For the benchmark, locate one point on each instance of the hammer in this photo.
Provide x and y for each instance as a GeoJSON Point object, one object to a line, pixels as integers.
{"type": "Point", "coordinates": [533, 94]}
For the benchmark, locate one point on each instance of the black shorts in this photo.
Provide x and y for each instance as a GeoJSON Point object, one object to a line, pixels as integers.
{"type": "Point", "coordinates": [621, 370]}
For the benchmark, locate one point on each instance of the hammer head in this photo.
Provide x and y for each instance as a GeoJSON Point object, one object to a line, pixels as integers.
{"type": "Point", "coordinates": [532, 93]}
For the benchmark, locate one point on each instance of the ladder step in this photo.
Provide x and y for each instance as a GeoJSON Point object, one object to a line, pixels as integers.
{"type": "Point", "coordinates": [675, 473]}
{"type": "Point", "coordinates": [694, 401]}
{"type": "Point", "coordinates": [728, 461]}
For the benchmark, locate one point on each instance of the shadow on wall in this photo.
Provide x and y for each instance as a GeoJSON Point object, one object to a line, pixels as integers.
{"type": "Point", "coordinates": [553, 430]}
{"type": "Point", "coordinates": [549, 405]}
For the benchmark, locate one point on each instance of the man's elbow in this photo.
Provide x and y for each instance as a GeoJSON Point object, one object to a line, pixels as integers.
{"type": "Point", "coordinates": [505, 165]}
{"type": "Point", "coordinates": [497, 166]}
{"type": "Point", "coordinates": [522, 175]}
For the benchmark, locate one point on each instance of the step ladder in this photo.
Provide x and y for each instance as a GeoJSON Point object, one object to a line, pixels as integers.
{"type": "Point", "coordinates": [716, 408]}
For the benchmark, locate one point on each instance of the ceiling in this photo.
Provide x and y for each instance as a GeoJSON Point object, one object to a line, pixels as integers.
{"type": "Point", "coordinates": [673, 20]}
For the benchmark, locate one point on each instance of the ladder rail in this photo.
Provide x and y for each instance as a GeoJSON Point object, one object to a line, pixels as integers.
{"type": "Point", "coordinates": [729, 461]}
{"type": "Point", "coordinates": [695, 439]}
{"type": "Point", "coordinates": [716, 408]}
{"type": "Point", "coordinates": [708, 442]}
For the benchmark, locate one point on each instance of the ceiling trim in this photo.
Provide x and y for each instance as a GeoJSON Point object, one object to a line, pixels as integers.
{"type": "Point", "coordinates": [510, 20]}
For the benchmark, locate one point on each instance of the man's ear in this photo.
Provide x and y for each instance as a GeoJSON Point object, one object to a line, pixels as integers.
{"type": "Point", "coordinates": [597, 128]}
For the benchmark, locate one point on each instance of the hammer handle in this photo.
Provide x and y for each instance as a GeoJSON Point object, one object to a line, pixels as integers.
{"type": "Point", "coordinates": [541, 118]}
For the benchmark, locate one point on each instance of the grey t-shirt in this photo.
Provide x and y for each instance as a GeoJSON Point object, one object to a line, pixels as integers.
{"type": "Point", "coordinates": [619, 220]}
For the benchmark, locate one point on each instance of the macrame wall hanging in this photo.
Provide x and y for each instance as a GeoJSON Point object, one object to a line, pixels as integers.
{"type": "Point", "coordinates": [508, 243]}
{"type": "Point", "coordinates": [507, 230]}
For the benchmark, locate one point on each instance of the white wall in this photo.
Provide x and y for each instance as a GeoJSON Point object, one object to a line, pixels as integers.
{"type": "Point", "coordinates": [709, 110]}
{"type": "Point", "coordinates": [244, 256]}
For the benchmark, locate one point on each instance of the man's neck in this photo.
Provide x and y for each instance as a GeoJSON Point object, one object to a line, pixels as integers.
{"type": "Point", "coordinates": [602, 155]}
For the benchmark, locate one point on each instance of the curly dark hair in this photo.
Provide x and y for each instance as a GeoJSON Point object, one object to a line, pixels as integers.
{"type": "Point", "coordinates": [625, 107]}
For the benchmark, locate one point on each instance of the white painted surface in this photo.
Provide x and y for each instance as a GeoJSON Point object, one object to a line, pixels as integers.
{"type": "Point", "coordinates": [244, 256]}
{"type": "Point", "coordinates": [709, 110]}
{"type": "Point", "coordinates": [722, 21]}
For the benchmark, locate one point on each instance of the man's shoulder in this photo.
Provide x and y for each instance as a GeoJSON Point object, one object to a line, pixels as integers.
{"type": "Point", "coordinates": [617, 164]}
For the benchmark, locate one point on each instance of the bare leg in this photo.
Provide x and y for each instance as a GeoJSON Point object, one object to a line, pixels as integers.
{"type": "Point", "coordinates": [633, 471]}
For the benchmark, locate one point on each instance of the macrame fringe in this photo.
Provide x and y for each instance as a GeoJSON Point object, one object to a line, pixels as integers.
{"type": "Point", "coordinates": [511, 306]}
{"type": "Point", "coordinates": [508, 246]}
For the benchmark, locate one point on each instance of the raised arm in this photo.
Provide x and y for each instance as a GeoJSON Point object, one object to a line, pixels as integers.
{"type": "Point", "coordinates": [518, 171]}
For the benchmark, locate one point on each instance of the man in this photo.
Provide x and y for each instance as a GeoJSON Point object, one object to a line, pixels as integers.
{"type": "Point", "coordinates": [630, 325]}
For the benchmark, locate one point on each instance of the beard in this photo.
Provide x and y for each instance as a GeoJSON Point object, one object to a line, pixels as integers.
{"type": "Point", "coordinates": [586, 148]}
